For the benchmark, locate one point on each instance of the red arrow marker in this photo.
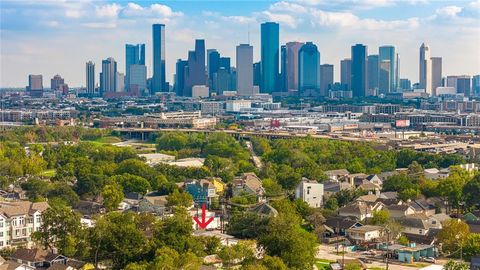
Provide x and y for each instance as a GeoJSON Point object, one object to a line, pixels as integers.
{"type": "Point", "coordinates": [203, 224]}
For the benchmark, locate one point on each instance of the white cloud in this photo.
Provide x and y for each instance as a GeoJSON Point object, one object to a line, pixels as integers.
{"type": "Point", "coordinates": [448, 11]}
{"type": "Point", "coordinates": [108, 11]}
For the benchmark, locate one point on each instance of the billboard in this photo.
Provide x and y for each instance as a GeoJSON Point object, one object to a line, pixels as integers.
{"type": "Point", "coordinates": [402, 123]}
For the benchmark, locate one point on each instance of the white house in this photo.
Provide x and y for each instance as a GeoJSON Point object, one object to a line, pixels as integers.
{"type": "Point", "coordinates": [310, 192]}
{"type": "Point", "coordinates": [365, 233]}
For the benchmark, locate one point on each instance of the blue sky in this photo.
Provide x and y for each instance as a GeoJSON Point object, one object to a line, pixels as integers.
{"type": "Point", "coordinates": [59, 36]}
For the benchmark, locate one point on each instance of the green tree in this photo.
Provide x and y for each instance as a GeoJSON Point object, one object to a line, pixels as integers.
{"type": "Point", "coordinates": [453, 265]}
{"type": "Point", "coordinates": [132, 183]}
{"type": "Point", "coordinates": [471, 193]}
{"type": "Point", "coordinates": [172, 141]}
{"type": "Point", "coordinates": [471, 246]}
{"type": "Point", "coordinates": [380, 217]}
{"type": "Point", "coordinates": [409, 194]}
{"type": "Point", "coordinates": [352, 266]}
{"type": "Point", "coordinates": [453, 234]}
{"type": "Point", "coordinates": [60, 228]}
{"type": "Point", "coordinates": [403, 240]}
{"type": "Point", "coordinates": [177, 198]}
{"type": "Point", "coordinates": [63, 191]}
{"type": "Point", "coordinates": [246, 225]}
{"type": "Point", "coordinates": [112, 196]}
{"type": "Point", "coordinates": [286, 239]}
{"type": "Point", "coordinates": [273, 263]}
{"type": "Point", "coordinates": [242, 252]}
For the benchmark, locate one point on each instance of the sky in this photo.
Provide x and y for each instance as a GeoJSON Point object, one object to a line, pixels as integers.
{"type": "Point", "coordinates": [59, 36]}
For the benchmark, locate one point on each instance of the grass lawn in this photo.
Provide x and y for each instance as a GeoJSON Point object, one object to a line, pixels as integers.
{"type": "Point", "coordinates": [49, 173]}
{"type": "Point", "coordinates": [417, 264]}
{"type": "Point", "coordinates": [376, 268]}
{"type": "Point", "coordinates": [323, 264]}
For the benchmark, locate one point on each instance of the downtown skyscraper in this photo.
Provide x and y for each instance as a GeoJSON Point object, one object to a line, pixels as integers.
{"type": "Point", "coordinates": [388, 53]}
{"type": "Point", "coordinates": [195, 73]}
{"type": "Point", "coordinates": [134, 55]}
{"type": "Point", "coordinates": [436, 74]}
{"type": "Point", "coordinates": [359, 70]}
{"type": "Point", "coordinates": [158, 78]}
{"type": "Point", "coordinates": [309, 70]}
{"type": "Point", "coordinates": [90, 78]}
{"type": "Point", "coordinates": [108, 76]}
{"type": "Point", "coordinates": [245, 70]}
{"type": "Point", "coordinates": [270, 53]}
{"type": "Point", "coordinates": [425, 69]}
{"type": "Point", "coordinates": [346, 73]}
{"type": "Point", "coordinates": [292, 49]}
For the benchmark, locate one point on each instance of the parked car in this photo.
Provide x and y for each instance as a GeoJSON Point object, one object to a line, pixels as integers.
{"type": "Point", "coordinates": [428, 259]}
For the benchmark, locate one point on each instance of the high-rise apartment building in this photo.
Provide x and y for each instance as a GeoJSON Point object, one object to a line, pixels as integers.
{"type": "Point", "coordinates": [90, 78]}
{"type": "Point", "coordinates": [436, 73]}
{"type": "Point", "coordinates": [326, 79]}
{"type": "Point", "coordinates": [346, 73]}
{"type": "Point", "coordinates": [108, 76]}
{"type": "Point", "coordinates": [425, 69]}
{"type": "Point", "coordinates": [270, 53]}
{"type": "Point", "coordinates": [158, 78]}
{"type": "Point", "coordinates": [309, 70]}
{"type": "Point", "coordinates": [359, 70]}
{"type": "Point", "coordinates": [245, 70]}
{"type": "Point", "coordinates": [292, 49]}
{"type": "Point", "coordinates": [388, 53]}
{"type": "Point", "coordinates": [372, 71]}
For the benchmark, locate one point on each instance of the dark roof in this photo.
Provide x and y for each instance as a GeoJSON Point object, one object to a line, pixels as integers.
{"type": "Point", "coordinates": [58, 266]}
{"type": "Point", "coordinates": [413, 222]}
{"type": "Point", "coordinates": [420, 239]}
{"type": "Point", "coordinates": [341, 222]}
{"type": "Point", "coordinates": [75, 263]}
{"type": "Point", "coordinates": [133, 196]}
{"type": "Point", "coordinates": [396, 207]}
{"type": "Point", "coordinates": [387, 202]}
{"type": "Point", "coordinates": [33, 255]}
{"type": "Point", "coordinates": [474, 226]}
{"type": "Point", "coordinates": [264, 209]}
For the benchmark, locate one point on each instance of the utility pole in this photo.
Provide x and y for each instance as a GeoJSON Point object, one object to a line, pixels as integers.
{"type": "Point", "coordinates": [386, 257]}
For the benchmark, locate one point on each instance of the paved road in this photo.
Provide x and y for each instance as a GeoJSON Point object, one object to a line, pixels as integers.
{"type": "Point", "coordinates": [255, 158]}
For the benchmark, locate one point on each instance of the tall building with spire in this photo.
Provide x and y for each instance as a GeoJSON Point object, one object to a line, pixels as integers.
{"type": "Point", "coordinates": [158, 78]}
{"type": "Point", "coordinates": [425, 69]}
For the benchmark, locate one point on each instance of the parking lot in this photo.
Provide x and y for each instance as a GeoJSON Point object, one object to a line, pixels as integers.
{"type": "Point", "coordinates": [329, 252]}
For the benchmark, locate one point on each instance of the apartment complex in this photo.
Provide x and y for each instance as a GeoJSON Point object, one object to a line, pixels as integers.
{"type": "Point", "coordinates": [18, 220]}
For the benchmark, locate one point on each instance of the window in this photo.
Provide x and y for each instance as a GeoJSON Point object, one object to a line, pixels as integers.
{"type": "Point", "coordinates": [24, 232]}
{"type": "Point", "coordinates": [1, 243]}
{"type": "Point", "coordinates": [21, 220]}
{"type": "Point", "coordinates": [39, 219]}
{"type": "Point", "coordinates": [1, 224]}
{"type": "Point", "coordinates": [17, 232]}
{"type": "Point", "coordinates": [1, 234]}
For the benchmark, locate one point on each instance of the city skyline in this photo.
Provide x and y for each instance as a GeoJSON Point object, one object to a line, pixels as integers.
{"type": "Point", "coordinates": [24, 52]}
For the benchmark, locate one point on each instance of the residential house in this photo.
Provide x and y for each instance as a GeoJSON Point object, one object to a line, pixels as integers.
{"type": "Point", "coordinates": [339, 225]}
{"type": "Point", "coordinates": [13, 265]}
{"type": "Point", "coordinates": [422, 206]}
{"type": "Point", "coordinates": [366, 233]}
{"type": "Point", "coordinates": [369, 198]}
{"type": "Point", "coordinates": [311, 192]}
{"type": "Point", "coordinates": [248, 183]}
{"type": "Point", "coordinates": [264, 209]}
{"type": "Point", "coordinates": [154, 204]}
{"type": "Point", "coordinates": [419, 224]}
{"type": "Point", "coordinates": [219, 185]}
{"type": "Point", "coordinates": [355, 178]}
{"type": "Point", "coordinates": [330, 187]}
{"type": "Point", "coordinates": [370, 187]}
{"type": "Point", "coordinates": [37, 258]}
{"type": "Point", "coordinates": [436, 174]}
{"type": "Point", "coordinates": [18, 220]}
{"type": "Point", "coordinates": [337, 175]}
{"type": "Point", "coordinates": [400, 210]}
{"type": "Point", "coordinates": [202, 191]}
{"type": "Point", "coordinates": [359, 210]}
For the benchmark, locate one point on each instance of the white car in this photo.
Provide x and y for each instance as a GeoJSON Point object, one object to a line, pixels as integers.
{"type": "Point", "coordinates": [429, 259]}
